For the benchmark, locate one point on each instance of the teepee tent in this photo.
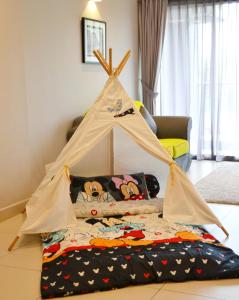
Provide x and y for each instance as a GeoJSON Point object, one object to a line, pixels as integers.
{"type": "Point", "coordinates": [50, 208]}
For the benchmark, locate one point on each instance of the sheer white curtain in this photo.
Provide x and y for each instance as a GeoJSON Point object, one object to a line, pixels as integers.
{"type": "Point", "coordinates": [200, 74]}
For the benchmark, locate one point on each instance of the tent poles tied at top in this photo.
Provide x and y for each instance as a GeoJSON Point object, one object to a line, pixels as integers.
{"type": "Point", "coordinates": [102, 61]}
{"type": "Point", "coordinates": [108, 66]}
{"type": "Point", "coordinates": [50, 207]}
{"type": "Point", "coordinates": [122, 64]}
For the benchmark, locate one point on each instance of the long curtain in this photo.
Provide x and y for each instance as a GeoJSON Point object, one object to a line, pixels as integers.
{"type": "Point", "coordinates": [200, 74]}
{"type": "Point", "coordinates": [151, 23]}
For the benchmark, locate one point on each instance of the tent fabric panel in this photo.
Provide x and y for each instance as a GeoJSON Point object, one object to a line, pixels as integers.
{"type": "Point", "coordinates": [50, 208]}
{"type": "Point", "coordinates": [54, 211]}
{"type": "Point", "coordinates": [182, 202]}
{"type": "Point", "coordinates": [55, 191]}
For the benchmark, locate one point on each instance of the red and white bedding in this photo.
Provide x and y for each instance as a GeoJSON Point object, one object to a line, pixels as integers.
{"type": "Point", "coordinates": [113, 252]}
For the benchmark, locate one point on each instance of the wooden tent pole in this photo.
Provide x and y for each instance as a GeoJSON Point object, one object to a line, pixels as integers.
{"type": "Point", "coordinates": [109, 66]}
{"type": "Point", "coordinates": [110, 61]}
{"type": "Point", "coordinates": [102, 62]}
{"type": "Point", "coordinates": [67, 172]}
{"type": "Point", "coordinates": [122, 63]}
{"type": "Point", "coordinates": [13, 243]}
{"type": "Point", "coordinates": [224, 230]}
{"type": "Point", "coordinates": [103, 59]}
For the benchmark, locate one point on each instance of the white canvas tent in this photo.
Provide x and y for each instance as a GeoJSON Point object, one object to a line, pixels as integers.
{"type": "Point", "coordinates": [50, 208]}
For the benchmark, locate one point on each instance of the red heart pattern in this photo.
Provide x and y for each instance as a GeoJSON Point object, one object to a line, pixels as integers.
{"type": "Point", "coordinates": [94, 212]}
{"type": "Point", "coordinates": [106, 280]}
{"type": "Point", "coordinates": [65, 262]}
{"type": "Point", "coordinates": [128, 257]}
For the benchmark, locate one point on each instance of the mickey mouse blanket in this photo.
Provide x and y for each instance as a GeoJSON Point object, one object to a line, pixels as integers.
{"type": "Point", "coordinates": [113, 252]}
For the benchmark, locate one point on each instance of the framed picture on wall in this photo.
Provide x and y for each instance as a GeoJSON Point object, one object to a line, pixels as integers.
{"type": "Point", "coordinates": [93, 38]}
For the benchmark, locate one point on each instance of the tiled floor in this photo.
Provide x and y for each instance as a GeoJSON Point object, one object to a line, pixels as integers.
{"type": "Point", "coordinates": [20, 269]}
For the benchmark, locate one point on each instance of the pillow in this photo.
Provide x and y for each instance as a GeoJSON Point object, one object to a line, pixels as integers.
{"type": "Point", "coordinates": [90, 189]}
{"type": "Point", "coordinates": [152, 185]}
{"type": "Point", "coordinates": [106, 209]}
{"type": "Point", "coordinates": [108, 188]}
{"type": "Point", "coordinates": [129, 187]}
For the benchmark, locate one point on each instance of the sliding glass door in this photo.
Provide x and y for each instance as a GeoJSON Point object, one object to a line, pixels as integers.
{"type": "Point", "coordinates": [199, 74]}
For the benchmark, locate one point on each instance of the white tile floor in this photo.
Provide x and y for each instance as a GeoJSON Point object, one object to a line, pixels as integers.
{"type": "Point", "coordinates": [20, 269]}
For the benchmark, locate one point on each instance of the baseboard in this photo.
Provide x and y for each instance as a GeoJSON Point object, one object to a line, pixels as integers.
{"type": "Point", "coordinates": [12, 210]}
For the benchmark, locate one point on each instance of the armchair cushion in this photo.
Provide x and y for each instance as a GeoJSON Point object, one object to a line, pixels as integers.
{"type": "Point", "coordinates": [175, 147]}
{"type": "Point", "coordinates": [167, 146]}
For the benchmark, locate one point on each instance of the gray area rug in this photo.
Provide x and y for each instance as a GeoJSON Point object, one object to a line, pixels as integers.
{"type": "Point", "coordinates": [221, 185]}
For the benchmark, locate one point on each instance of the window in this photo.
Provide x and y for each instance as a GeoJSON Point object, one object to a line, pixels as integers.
{"type": "Point", "coordinates": [200, 75]}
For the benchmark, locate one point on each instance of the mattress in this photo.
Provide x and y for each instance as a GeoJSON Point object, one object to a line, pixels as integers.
{"type": "Point", "coordinates": [106, 253]}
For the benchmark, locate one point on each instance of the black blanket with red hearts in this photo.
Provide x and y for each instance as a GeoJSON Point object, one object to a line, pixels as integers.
{"type": "Point", "coordinates": [105, 253]}
{"type": "Point", "coordinates": [98, 269]}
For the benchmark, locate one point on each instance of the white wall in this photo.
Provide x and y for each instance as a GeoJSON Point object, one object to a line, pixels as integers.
{"type": "Point", "coordinates": [44, 85]}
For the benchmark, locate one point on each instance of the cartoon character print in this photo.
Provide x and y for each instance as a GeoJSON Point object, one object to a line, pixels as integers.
{"type": "Point", "coordinates": [74, 238]}
{"type": "Point", "coordinates": [63, 240]}
{"type": "Point", "coordinates": [163, 230]}
{"type": "Point", "coordinates": [94, 191]}
{"type": "Point", "coordinates": [118, 232]}
{"type": "Point", "coordinates": [51, 242]}
{"type": "Point", "coordinates": [116, 106]}
{"type": "Point", "coordinates": [129, 111]}
{"type": "Point", "coordinates": [128, 187]}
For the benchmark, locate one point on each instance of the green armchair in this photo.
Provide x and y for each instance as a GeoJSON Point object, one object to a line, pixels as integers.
{"type": "Point", "coordinates": [175, 130]}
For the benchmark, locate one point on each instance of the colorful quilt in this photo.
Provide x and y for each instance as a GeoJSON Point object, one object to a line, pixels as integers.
{"type": "Point", "coordinates": [113, 252]}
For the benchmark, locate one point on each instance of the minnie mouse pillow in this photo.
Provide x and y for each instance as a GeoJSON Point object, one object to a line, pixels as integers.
{"type": "Point", "coordinates": [128, 187]}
